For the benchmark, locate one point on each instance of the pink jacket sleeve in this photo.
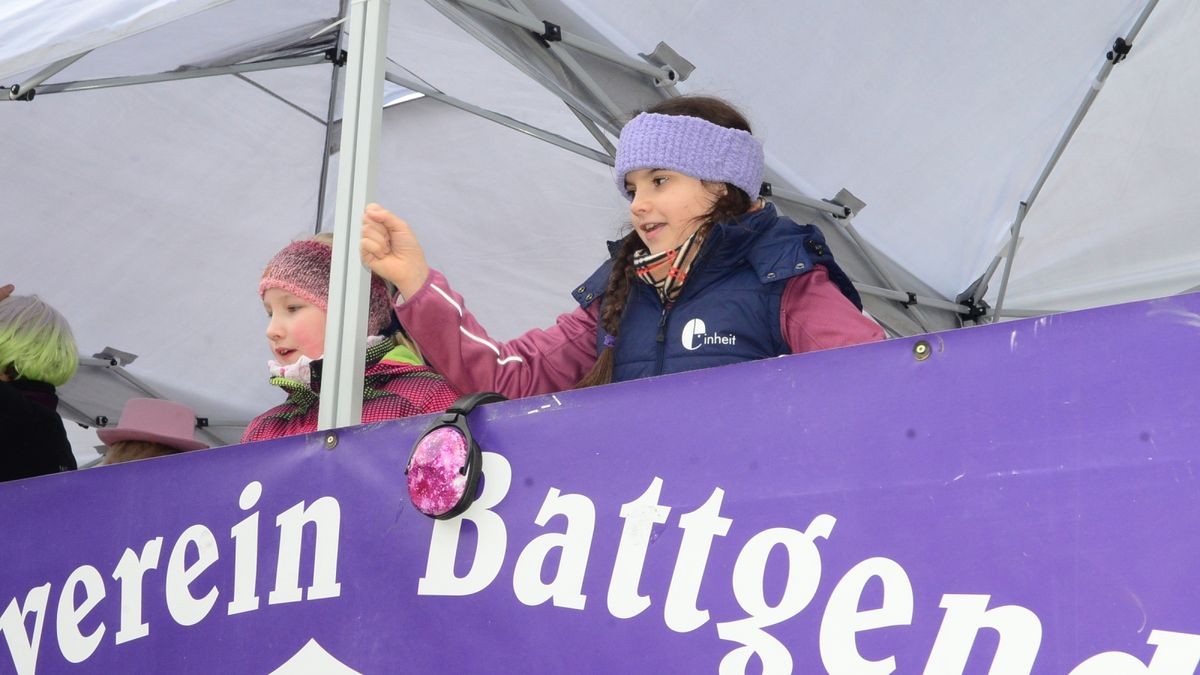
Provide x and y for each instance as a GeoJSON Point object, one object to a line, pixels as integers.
{"type": "Point", "coordinates": [815, 315]}
{"type": "Point", "coordinates": [455, 345]}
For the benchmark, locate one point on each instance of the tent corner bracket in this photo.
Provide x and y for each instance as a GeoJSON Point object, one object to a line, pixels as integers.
{"type": "Point", "coordinates": [847, 202]}
{"type": "Point", "coordinates": [675, 68]}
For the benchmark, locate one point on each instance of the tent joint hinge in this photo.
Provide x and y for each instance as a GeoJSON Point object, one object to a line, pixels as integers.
{"type": "Point", "coordinates": [16, 94]}
{"type": "Point", "coordinates": [1119, 51]}
{"type": "Point", "coordinates": [336, 56]}
{"type": "Point", "coordinates": [976, 308]}
{"type": "Point", "coordinates": [839, 215]}
{"type": "Point", "coordinates": [553, 33]}
{"type": "Point", "coordinates": [912, 299]}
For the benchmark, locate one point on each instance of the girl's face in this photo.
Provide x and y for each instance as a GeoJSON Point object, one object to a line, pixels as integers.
{"type": "Point", "coordinates": [668, 206]}
{"type": "Point", "coordinates": [295, 328]}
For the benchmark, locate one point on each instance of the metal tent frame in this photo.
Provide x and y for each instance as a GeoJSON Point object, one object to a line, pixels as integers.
{"type": "Point", "coordinates": [573, 68]}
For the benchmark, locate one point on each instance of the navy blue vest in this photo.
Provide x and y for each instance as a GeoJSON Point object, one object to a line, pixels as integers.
{"type": "Point", "coordinates": [728, 311]}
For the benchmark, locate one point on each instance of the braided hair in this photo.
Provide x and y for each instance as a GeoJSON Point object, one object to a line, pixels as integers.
{"type": "Point", "coordinates": [728, 206]}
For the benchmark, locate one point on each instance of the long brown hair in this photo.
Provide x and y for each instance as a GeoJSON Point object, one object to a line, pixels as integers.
{"type": "Point", "coordinates": [730, 205]}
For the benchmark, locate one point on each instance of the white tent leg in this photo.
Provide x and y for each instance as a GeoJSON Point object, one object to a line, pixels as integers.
{"type": "Point", "coordinates": [349, 281]}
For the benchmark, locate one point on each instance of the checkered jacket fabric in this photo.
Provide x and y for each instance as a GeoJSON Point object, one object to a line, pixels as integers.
{"type": "Point", "coordinates": [391, 390]}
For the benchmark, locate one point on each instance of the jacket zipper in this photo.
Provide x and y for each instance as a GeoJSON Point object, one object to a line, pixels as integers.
{"type": "Point", "coordinates": [662, 340]}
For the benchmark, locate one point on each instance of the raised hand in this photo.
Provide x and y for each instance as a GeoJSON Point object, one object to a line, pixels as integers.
{"type": "Point", "coordinates": [390, 250]}
{"type": "Point", "coordinates": [6, 290]}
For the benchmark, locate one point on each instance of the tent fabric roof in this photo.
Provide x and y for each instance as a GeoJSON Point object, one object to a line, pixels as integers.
{"type": "Point", "coordinates": [145, 213]}
{"type": "Point", "coordinates": [37, 33]}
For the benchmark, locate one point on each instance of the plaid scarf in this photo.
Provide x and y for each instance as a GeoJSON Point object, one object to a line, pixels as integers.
{"type": "Point", "coordinates": [646, 263]}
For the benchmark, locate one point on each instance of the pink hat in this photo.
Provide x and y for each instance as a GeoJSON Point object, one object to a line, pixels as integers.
{"type": "Point", "coordinates": [156, 420]}
{"type": "Point", "coordinates": [302, 269]}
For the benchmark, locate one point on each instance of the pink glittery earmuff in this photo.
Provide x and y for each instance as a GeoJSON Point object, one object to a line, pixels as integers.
{"type": "Point", "coordinates": [444, 467]}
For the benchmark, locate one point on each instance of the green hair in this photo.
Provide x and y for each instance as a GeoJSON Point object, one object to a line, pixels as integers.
{"type": "Point", "coordinates": [36, 341]}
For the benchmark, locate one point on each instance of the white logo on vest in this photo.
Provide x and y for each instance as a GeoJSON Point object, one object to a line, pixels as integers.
{"type": "Point", "coordinates": [695, 335]}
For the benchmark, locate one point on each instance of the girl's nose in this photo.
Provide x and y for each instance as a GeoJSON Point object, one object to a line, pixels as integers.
{"type": "Point", "coordinates": [639, 205]}
{"type": "Point", "coordinates": [274, 329]}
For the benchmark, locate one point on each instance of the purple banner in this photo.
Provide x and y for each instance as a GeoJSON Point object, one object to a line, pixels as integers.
{"type": "Point", "coordinates": [1013, 498]}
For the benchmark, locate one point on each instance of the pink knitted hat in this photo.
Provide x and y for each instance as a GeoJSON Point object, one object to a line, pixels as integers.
{"type": "Point", "coordinates": [302, 269]}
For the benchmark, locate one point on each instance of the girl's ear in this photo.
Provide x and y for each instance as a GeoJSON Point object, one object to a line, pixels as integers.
{"type": "Point", "coordinates": [717, 189]}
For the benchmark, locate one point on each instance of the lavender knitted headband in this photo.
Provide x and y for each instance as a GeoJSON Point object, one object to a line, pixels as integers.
{"type": "Point", "coordinates": [691, 146]}
{"type": "Point", "coordinates": [302, 269]}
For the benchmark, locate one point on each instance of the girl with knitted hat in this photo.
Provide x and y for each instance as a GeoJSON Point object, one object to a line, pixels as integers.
{"type": "Point", "coordinates": [295, 294]}
{"type": "Point", "coordinates": [711, 273]}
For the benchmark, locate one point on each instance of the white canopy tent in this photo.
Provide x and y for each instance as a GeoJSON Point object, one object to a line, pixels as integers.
{"type": "Point", "coordinates": [145, 211]}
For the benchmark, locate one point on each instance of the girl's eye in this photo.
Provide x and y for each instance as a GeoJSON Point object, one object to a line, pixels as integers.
{"type": "Point", "coordinates": [630, 192]}
{"type": "Point", "coordinates": [659, 180]}
{"type": "Point", "coordinates": [294, 308]}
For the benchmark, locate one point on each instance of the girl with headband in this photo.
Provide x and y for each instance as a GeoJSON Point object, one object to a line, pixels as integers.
{"type": "Point", "coordinates": [710, 275]}
{"type": "Point", "coordinates": [295, 294]}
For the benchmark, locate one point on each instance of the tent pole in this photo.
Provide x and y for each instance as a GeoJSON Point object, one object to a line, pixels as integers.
{"type": "Point", "coordinates": [521, 16]}
{"type": "Point", "coordinates": [914, 299]}
{"type": "Point", "coordinates": [25, 89]}
{"type": "Point", "coordinates": [986, 277]}
{"type": "Point", "coordinates": [75, 414]}
{"type": "Point", "coordinates": [599, 114]}
{"type": "Point", "coordinates": [349, 281]}
{"type": "Point", "coordinates": [1027, 313]}
{"type": "Point", "coordinates": [572, 65]}
{"type": "Point", "coordinates": [847, 228]}
{"type": "Point", "coordinates": [1022, 210]}
{"type": "Point", "coordinates": [503, 120]}
{"type": "Point", "coordinates": [529, 23]}
{"type": "Point", "coordinates": [821, 205]}
{"type": "Point", "coordinates": [594, 130]}
{"type": "Point", "coordinates": [109, 82]}
{"type": "Point", "coordinates": [267, 90]}
{"type": "Point", "coordinates": [1114, 57]}
{"type": "Point", "coordinates": [330, 113]}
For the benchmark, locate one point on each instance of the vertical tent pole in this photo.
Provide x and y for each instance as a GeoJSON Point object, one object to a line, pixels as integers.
{"type": "Point", "coordinates": [349, 281]}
